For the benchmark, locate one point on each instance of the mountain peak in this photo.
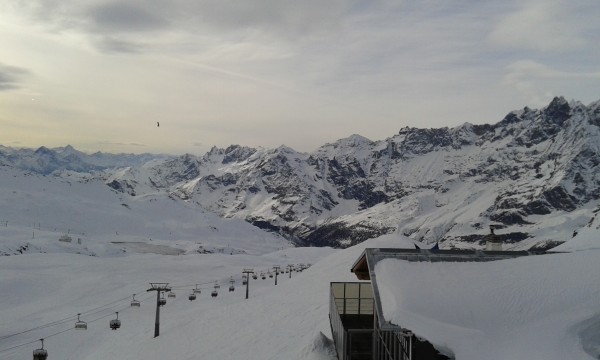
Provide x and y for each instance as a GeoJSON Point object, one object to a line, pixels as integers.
{"type": "Point", "coordinates": [42, 150]}
{"type": "Point", "coordinates": [558, 110]}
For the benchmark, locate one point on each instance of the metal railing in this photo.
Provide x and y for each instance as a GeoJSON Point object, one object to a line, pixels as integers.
{"type": "Point", "coordinates": [349, 305]}
{"type": "Point", "coordinates": [393, 345]}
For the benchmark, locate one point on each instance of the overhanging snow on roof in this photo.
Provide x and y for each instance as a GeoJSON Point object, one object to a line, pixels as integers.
{"type": "Point", "coordinates": [364, 266]}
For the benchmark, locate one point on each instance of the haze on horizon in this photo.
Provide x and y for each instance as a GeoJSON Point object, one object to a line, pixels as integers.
{"type": "Point", "coordinates": [100, 74]}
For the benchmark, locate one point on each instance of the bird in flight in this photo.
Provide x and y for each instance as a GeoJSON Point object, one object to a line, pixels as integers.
{"type": "Point", "coordinates": [157, 124]}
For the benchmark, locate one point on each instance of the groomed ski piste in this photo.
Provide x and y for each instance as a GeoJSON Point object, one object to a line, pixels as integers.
{"type": "Point", "coordinates": [545, 307]}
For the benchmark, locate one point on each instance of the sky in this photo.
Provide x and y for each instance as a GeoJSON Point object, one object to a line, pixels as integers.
{"type": "Point", "coordinates": [100, 75]}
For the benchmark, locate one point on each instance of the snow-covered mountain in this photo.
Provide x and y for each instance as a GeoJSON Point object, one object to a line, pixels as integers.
{"type": "Point", "coordinates": [46, 161]}
{"type": "Point", "coordinates": [535, 172]}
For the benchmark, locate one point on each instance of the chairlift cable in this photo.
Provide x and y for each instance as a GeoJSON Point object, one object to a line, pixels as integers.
{"type": "Point", "coordinates": [54, 323]}
{"type": "Point", "coordinates": [70, 318]}
{"type": "Point", "coordinates": [62, 331]}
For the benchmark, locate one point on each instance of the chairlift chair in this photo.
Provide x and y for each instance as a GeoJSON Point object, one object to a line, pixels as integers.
{"type": "Point", "coordinates": [196, 290]}
{"type": "Point", "coordinates": [40, 354]}
{"type": "Point", "coordinates": [231, 288]}
{"type": "Point", "coordinates": [254, 276]}
{"type": "Point", "coordinates": [217, 286]}
{"type": "Point", "coordinates": [270, 274]}
{"type": "Point", "coordinates": [162, 301]}
{"type": "Point", "coordinates": [262, 276]}
{"type": "Point", "coordinates": [171, 294]}
{"type": "Point", "coordinates": [244, 282]}
{"type": "Point", "coordinates": [80, 325]}
{"type": "Point", "coordinates": [214, 293]}
{"type": "Point", "coordinates": [192, 296]}
{"type": "Point", "coordinates": [115, 323]}
{"type": "Point", "coordinates": [134, 302]}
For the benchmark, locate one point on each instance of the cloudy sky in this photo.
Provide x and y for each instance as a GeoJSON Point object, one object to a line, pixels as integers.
{"type": "Point", "coordinates": [100, 74]}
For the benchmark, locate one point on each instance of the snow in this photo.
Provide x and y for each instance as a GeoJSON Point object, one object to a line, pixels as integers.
{"type": "Point", "coordinates": [528, 308]}
{"type": "Point", "coordinates": [537, 307]}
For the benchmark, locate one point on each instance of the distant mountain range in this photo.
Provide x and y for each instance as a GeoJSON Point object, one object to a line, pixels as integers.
{"type": "Point", "coordinates": [535, 174]}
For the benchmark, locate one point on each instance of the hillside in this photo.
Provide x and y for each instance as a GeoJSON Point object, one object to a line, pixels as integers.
{"type": "Point", "coordinates": [535, 173]}
{"type": "Point", "coordinates": [42, 294]}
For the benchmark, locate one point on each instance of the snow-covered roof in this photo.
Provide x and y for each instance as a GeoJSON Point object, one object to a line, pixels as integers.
{"type": "Point", "coordinates": [362, 265]}
{"type": "Point", "coordinates": [527, 307]}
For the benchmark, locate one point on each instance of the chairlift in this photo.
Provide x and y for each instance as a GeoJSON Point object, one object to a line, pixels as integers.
{"type": "Point", "coordinates": [134, 302]}
{"type": "Point", "coordinates": [244, 282]}
{"type": "Point", "coordinates": [262, 276]}
{"type": "Point", "coordinates": [192, 296]}
{"type": "Point", "coordinates": [171, 294]}
{"type": "Point", "coordinates": [214, 293]}
{"type": "Point", "coordinates": [217, 286]}
{"type": "Point", "coordinates": [231, 288]}
{"type": "Point", "coordinates": [80, 325]}
{"type": "Point", "coordinates": [40, 354]}
{"type": "Point", "coordinates": [254, 276]}
{"type": "Point", "coordinates": [196, 290]}
{"type": "Point", "coordinates": [115, 323]}
{"type": "Point", "coordinates": [162, 301]}
{"type": "Point", "coordinates": [270, 274]}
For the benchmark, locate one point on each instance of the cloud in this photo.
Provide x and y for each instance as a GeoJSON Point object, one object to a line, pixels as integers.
{"type": "Point", "coordinates": [10, 77]}
{"type": "Point", "coordinates": [539, 82]}
{"type": "Point", "coordinates": [547, 25]}
{"type": "Point", "coordinates": [112, 143]}
{"type": "Point", "coordinates": [115, 45]}
{"type": "Point", "coordinates": [124, 17]}
{"type": "Point", "coordinates": [273, 18]}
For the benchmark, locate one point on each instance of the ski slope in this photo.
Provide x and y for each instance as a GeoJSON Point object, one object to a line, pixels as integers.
{"type": "Point", "coordinates": [544, 307]}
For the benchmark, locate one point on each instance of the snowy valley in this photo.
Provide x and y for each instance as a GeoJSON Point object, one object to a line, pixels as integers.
{"type": "Point", "coordinates": [534, 173]}
{"type": "Point", "coordinates": [81, 233]}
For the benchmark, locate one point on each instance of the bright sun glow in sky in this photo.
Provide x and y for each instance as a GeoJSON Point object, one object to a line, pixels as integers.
{"type": "Point", "coordinates": [99, 74]}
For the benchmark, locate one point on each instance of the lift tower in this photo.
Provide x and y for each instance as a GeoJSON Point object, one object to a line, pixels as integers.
{"type": "Point", "coordinates": [158, 287]}
{"type": "Point", "coordinates": [247, 272]}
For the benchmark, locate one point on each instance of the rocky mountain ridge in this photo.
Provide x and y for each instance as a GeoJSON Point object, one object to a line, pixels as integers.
{"type": "Point", "coordinates": [535, 173]}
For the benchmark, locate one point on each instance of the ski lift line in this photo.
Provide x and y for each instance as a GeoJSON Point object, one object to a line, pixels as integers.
{"type": "Point", "coordinates": [92, 311]}
{"type": "Point", "coordinates": [89, 312]}
{"type": "Point", "coordinates": [70, 318]}
{"type": "Point", "coordinates": [54, 323]}
{"type": "Point", "coordinates": [60, 332]}
{"type": "Point", "coordinates": [98, 309]}
{"type": "Point", "coordinates": [186, 285]}
{"type": "Point", "coordinates": [34, 341]}
{"type": "Point", "coordinates": [192, 288]}
{"type": "Point", "coordinates": [113, 307]}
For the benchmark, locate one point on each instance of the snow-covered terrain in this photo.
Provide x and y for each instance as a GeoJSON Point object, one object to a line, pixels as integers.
{"type": "Point", "coordinates": [528, 308]}
{"type": "Point", "coordinates": [539, 307]}
{"type": "Point", "coordinates": [37, 210]}
{"type": "Point", "coordinates": [81, 233]}
{"type": "Point", "coordinates": [543, 307]}
{"type": "Point", "coordinates": [535, 172]}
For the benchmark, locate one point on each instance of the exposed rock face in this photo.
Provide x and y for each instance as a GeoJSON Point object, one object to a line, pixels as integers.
{"type": "Point", "coordinates": [525, 172]}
